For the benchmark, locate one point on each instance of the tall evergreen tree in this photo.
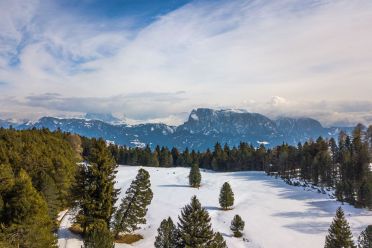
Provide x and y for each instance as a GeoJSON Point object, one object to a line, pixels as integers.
{"type": "Point", "coordinates": [133, 207]}
{"type": "Point", "coordinates": [96, 194]}
{"type": "Point", "coordinates": [365, 238]}
{"type": "Point", "coordinates": [237, 226]}
{"type": "Point", "coordinates": [168, 235]}
{"type": "Point", "coordinates": [226, 196]}
{"type": "Point", "coordinates": [194, 225]}
{"type": "Point", "coordinates": [195, 176]}
{"type": "Point", "coordinates": [339, 234]}
{"type": "Point", "coordinates": [26, 215]}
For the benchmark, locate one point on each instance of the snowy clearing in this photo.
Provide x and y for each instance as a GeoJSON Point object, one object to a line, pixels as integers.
{"type": "Point", "coordinates": [275, 214]}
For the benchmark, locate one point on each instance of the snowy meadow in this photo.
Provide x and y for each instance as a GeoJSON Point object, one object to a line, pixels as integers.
{"type": "Point", "coordinates": [275, 214]}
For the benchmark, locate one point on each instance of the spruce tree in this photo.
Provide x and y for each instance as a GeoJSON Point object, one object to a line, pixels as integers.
{"type": "Point", "coordinates": [168, 236]}
{"type": "Point", "coordinates": [95, 191]}
{"type": "Point", "coordinates": [195, 176]}
{"type": "Point", "coordinates": [218, 241]}
{"type": "Point", "coordinates": [339, 232]}
{"type": "Point", "coordinates": [237, 226]}
{"type": "Point", "coordinates": [365, 238]}
{"type": "Point", "coordinates": [26, 215]}
{"type": "Point", "coordinates": [99, 237]}
{"type": "Point", "coordinates": [194, 225]}
{"type": "Point", "coordinates": [226, 196]}
{"type": "Point", "coordinates": [133, 207]}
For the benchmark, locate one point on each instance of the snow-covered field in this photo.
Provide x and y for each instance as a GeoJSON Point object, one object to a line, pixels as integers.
{"type": "Point", "coordinates": [275, 214]}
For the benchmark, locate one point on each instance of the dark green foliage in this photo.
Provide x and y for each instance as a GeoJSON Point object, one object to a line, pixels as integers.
{"type": "Point", "coordinates": [226, 198]}
{"type": "Point", "coordinates": [95, 193]}
{"type": "Point", "coordinates": [133, 207]}
{"type": "Point", "coordinates": [25, 216]}
{"type": "Point", "coordinates": [339, 234]}
{"type": "Point", "coordinates": [47, 157]}
{"type": "Point", "coordinates": [218, 241]}
{"type": "Point", "coordinates": [237, 226]}
{"type": "Point", "coordinates": [99, 237]}
{"type": "Point", "coordinates": [365, 238]}
{"type": "Point", "coordinates": [37, 170]}
{"type": "Point", "coordinates": [194, 225]}
{"type": "Point", "coordinates": [243, 157]}
{"type": "Point", "coordinates": [168, 236]}
{"type": "Point", "coordinates": [194, 176]}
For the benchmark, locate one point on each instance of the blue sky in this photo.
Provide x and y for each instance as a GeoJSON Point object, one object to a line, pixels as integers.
{"type": "Point", "coordinates": [157, 60]}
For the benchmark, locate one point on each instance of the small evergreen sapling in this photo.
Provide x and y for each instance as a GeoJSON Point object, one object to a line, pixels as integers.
{"type": "Point", "coordinates": [339, 234]}
{"type": "Point", "coordinates": [195, 176]}
{"type": "Point", "coordinates": [226, 198]}
{"type": "Point", "coordinates": [218, 241]}
{"type": "Point", "coordinates": [237, 226]}
{"type": "Point", "coordinates": [168, 236]}
{"type": "Point", "coordinates": [365, 238]}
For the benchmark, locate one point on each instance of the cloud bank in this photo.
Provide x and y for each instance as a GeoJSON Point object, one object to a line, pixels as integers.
{"type": "Point", "coordinates": [316, 55]}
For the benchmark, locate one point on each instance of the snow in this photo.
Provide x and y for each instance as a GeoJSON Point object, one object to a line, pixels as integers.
{"type": "Point", "coordinates": [276, 214]}
{"type": "Point", "coordinates": [262, 142]}
{"type": "Point", "coordinates": [194, 116]}
{"type": "Point", "coordinates": [66, 239]}
{"type": "Point", "coordinates": [138, 143]}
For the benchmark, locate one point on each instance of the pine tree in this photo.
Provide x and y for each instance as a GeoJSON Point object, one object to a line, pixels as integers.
{"type": "Point", "coordinates": [365, 238]}
{"type": "Point", "coordinates": [218, 241]}
{"type": "Point", "coordinates": [99, 237]}
{"type": "Point", "coordinates": [194, 225]}
{"type": "Point", "coordinates": [95, 191]}
{"type": "Point", "coordinates": [339, 232]}
{"type": "Point", "coordinates": [226, 196]}
{"type": "Point", "coordinates": [195, 176]}
{"type": "Point", "coordinates": [26, 215]}
{"type": "Point", "coordinates": [237, 226]}
{"type": "Point", "coordinates": [168, 236]}
{"type": "Point", "coordinates": [133, 207]}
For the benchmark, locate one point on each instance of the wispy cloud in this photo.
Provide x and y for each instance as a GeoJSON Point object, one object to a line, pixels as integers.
{"type": "Point", "coordinates": [316, 54]}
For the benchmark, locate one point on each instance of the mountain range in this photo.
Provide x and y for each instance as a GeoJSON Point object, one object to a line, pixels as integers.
{"type": "Point", "coordinates": [202, 130]}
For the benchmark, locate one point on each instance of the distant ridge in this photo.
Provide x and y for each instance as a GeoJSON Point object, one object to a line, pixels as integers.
{"type": "Point", "coordinates": [202, 130]}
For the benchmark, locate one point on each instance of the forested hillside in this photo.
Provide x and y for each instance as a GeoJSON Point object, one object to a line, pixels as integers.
{"type": "Point", "coordinates": [37, 172]}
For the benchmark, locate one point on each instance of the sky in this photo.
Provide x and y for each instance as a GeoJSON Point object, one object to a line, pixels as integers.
{"type": "Point", "coordinates": [155, 61]}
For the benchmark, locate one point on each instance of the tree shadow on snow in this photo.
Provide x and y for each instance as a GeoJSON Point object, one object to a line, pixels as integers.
{"type": "Point", "coordinates": [174, 186]}
{"type": "Point", "coordinates": [226, 235]}
{"type": "Point", "coordinates": [310, 227]}
{"type": "Point", "coordinates": [213, 208]}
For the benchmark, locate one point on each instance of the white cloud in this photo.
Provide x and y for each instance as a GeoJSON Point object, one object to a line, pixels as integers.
{"type": "Point", "coordinates": [219, 53]}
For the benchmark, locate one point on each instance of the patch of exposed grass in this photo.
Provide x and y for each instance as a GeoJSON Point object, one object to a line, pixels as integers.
{"type": "Point", "coordinates": [128, 238]}
{"type": "Point", "coordinates": [76, 229]}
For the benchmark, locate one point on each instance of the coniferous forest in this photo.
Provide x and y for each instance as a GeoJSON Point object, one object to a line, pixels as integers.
{"type": "Point", "coordinates": [37, 173]}
{"type": "Point", "coordinates": [342, 164]}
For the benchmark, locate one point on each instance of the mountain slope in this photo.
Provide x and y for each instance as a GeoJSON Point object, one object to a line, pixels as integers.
{"type": "Point", "coordinates": [202, 130]}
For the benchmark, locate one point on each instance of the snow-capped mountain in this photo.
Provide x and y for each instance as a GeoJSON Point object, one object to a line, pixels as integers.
{"type": "Point", "coordinates": [108, 118]}
{"type": "Point", "coordinates": [202, 130]}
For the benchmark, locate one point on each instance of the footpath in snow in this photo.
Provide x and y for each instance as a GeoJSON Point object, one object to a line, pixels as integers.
{"type": "Point", "coordinates": [275, 214]}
